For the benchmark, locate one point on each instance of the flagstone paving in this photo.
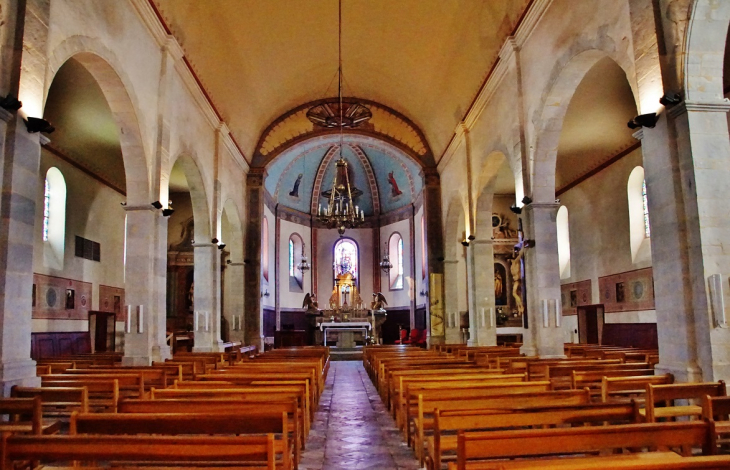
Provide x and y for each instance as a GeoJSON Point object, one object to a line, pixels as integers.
{"type": "Point", "coordinates": [352, 429]}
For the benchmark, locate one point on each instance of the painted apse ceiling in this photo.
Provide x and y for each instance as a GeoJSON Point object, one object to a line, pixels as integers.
{"type": "Point", "coordinates": [387, 177]}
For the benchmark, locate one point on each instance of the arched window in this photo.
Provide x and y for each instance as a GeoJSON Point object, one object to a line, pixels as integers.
{"type": "Point", "coordinates": [639, 229]}
{"type": "Point", "coordinates": [346, 257]}
{"type": "Point", "coordinates": [563, 242]}
{"type": "Point", "coordinates": [395, 252]}
{"type": "Point", "coordinates": [265, 249]}
{"type": "Point", "coordinates": [54, 218]}
{"type": "Point", "coordinates": [296, 277]}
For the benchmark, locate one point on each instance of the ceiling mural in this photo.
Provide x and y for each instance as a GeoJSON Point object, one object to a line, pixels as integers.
{"type": "Point", "coordinates": [388, 178]}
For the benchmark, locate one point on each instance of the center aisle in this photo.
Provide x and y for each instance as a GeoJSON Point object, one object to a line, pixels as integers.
{"type": "Point", "coordinates": [352, 429]}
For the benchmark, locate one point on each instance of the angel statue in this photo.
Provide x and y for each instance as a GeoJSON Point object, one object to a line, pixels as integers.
{"type": "Point", "coordinates": [378, 304]}
{"type": "Point", "coordinates": [310, 303]}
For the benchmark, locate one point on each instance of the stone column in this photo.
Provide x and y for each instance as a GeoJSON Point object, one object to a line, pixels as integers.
{"type": "Point", "coordinates": [206, 303]}
{"type": "Point", "coordinates": [255, 199]}
{"type": "Point", "coordinates": [470, 298]}
{"type": "Point", "coordinates": [686, 167]}
{"type": "Point", "coordinates": [20, 153]}
{"type": "Point", "coordinates": [451, 302]}
{"type": "Point", "coordinates": [433, 237]}
{"type": "Point", "coordinates": [544, 337]}
{"type": "Point", "coordinates": [160, 348]}
{"type": "Point", "coordinates": [143, 294]}
{"type": "Point", "coordinates": [482, 291]}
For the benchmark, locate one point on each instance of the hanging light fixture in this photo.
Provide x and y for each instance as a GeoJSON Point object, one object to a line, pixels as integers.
{"type": "Point", "coordinates": [303, 265]}
{"type": "Point", "coordinates": [341, 212]}
{"type": "Point", "coordinates": [386, 265]}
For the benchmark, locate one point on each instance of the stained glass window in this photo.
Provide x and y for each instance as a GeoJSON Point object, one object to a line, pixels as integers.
{"type": "Point", "coordinates": [346, 257]}
{"type": "Point", "coordinates": [291, 257]}
{"type": "Point", "coordinates": [647, 231]}
{"type": "Point", "coordinates": [46, 209]}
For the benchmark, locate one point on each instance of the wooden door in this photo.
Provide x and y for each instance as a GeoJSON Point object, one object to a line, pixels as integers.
{"type": "Point", "coordinates": [590, 324]}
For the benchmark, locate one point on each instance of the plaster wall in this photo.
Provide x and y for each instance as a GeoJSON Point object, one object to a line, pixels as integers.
{"type": "Point", "coordinates": [292, 298]}
{"type": "Point", "coordinates": [93, 211]}
{"type": "Point", "coordinates": [600, 242]}
{"type": "Point", "coordinates": [326, 240]}
{"type": "Point", "coordinates": [397, 297]}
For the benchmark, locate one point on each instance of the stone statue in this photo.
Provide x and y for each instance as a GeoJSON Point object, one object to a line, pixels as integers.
{"type": "Point", "coordinates": [378, 304]}
{"type": "Point", "coordinates": [310, 304]}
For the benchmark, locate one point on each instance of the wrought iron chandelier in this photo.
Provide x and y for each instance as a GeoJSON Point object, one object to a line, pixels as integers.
{"type": "Point", "coordinates": [303, 265]}
{"type": "Point", "coordinates": [341, 212]}
{"type": "Point", "coordinates": [385, 264]}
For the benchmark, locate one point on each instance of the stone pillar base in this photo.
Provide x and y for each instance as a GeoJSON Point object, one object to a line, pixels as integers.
{"type": "Point", "coordinates": [435, 340]}
{"type": "Point", "coordinates": [160, 353]}
{"type": "Point", "coordinates": [21, 373]}
{"type": "Point", "coordinates": [683, 373]}
{"type": "Point", "coordinates": [136, 360]}
{"type": "Point", "coordinates": [215, 346]}
{"type": "Point", "coordinates": [453, 336]}
{"type": "Point", "coordinates": [528, 350]}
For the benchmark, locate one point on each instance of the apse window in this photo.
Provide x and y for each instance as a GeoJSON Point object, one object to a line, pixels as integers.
{"type": "Point", "coordinates": [395, 253]}
{"type": "Point", "coordinates": [639, 226]}
{"type": "Point", "coordinates": [54, 218]}
{"type": "Point", "coordinates": [296, 276]}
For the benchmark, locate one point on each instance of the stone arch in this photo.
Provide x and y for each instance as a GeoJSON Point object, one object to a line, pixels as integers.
{"type": "Point", "coordinates": [454, 227]}
{"type": "Point", "coordinates": [106, 69]}
{"type": "Point", "coordinates": [705, 45]}
{"type": "Point", "coordinates": [198, 196]}
{"type": "Point", "coordinates": [549, 127]}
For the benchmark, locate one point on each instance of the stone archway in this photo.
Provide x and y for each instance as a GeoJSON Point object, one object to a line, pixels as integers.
{"type": "Point", "coordinates": [705, 38]}
{"type": "Point", "coordinates": [455, 279]}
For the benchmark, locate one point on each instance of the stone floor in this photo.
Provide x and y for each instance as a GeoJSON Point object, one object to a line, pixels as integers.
{"type": "Point", "coordinates": [352, 429]}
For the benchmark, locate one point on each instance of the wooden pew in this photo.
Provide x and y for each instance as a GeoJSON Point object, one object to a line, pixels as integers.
{"type": "Point", "coordinates": [584, 440]}
{"type": "Point", "coordinates": [260, 422]}
{"type": "Point", "coordinates": [25, 416]}
{"type": "Point", "coordinates": [666, 394]}
{"type": "Point", "coordinates": [247, 452]}
{"type": "Point", "coordinates": [55, 401]}
{"type": "Point", "coordinates": [618, 389]}
{"type": "Point", "coordinates": [130, 385]}
{"type": "Point", "coordinates": [593, 379]}
{"type": "Point", "coordinates": [417, 426]}
{"type": "Point", "coordinates": [103, 394]}
{"type": "Point", "coordinates": [152, 377]}
{"type": "Point", "coordinates": [716, 411]}
{"type": "Point", "coordinates": [636, 461]}
{"type": "Point", "coordinates": [188, 370]}
{"type": "Point", "coordinates": [439, 392]}
{"type": "Point", "coordinates": [464, 420]}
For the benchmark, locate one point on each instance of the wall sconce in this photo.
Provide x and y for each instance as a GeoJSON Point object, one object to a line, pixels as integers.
{"type": "Point", "coordinates": [529, 243]}
{"type": "Point", "coordinates": [169, 211]}
{"type": "Point", "coordinates": [157, 205]}
{"type": "Point", "coordinates": [214, 241]}
{"type": "Point", "coordinates": [221, 246]}
{"type": "Point", "coordinates": [465, 242]}
{"type": "Point", "coordinates": [643, 120]}
{"type": "Point", "coordinates": [516, 209]}
{"type": "Point", "coordinates": [423, 293]}
{"type": "Point", "coordinates": [670, 99]}
{"type": "Point", "coordinates": [471, 238]}
{"type": "Point", "coordinates": [10, 103]}
{"type": "Point", "coordinates": [527, 200]}
{"type": "Point", "coordinates": [34, 125]}
{"type": "Point", "coordinates": [265, 293]}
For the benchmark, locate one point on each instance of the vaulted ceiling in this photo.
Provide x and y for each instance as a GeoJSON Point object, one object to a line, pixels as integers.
{"type": "Point", "coordinates": [424, 58]}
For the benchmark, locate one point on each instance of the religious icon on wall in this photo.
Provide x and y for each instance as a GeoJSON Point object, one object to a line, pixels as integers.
{"type": "Point", "coordinates": [70, 299]}
{"type": "Point", "coordinates": [394, 191]}
{"type": "Point", "coordinates": [295, 191]}
{"type": "Point", "coordinates": [117, 305]}
{"type": "Point", "coordinates": [33, 296]}
{"type": "Point", "coordinates": [620, 294]}
{"type": "Point", "coordinates": [573, 298]}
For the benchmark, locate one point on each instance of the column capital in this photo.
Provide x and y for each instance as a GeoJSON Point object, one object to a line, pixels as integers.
{"type": "Point", "coordinates": [713, 106]}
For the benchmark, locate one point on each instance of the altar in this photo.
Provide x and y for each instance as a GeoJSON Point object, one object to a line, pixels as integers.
{"type": "Point", "coordinates": [345, 332]}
